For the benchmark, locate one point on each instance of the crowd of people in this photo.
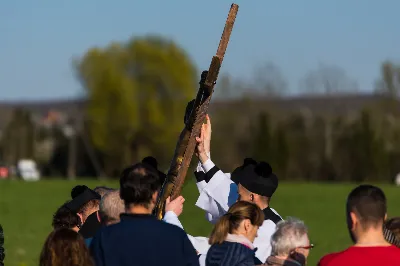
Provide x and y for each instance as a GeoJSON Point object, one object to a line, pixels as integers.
{"type": "Point", "coordinates": [105, 226]}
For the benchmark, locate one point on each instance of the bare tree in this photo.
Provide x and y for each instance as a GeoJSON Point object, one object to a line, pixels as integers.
{"type": "Point", "coordinates": [269, 80]}
{"type": "Point", "coordinates": [328, 79]}
{"type": "Point", "coordinates": [389, 82]}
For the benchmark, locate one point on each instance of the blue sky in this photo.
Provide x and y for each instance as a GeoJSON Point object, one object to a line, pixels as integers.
{"type": "Point", "coordinates": [39, 38]}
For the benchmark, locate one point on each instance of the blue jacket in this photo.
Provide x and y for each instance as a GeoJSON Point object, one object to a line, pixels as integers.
{"type": "Point", "coordinates": [231, 254]}
{"type": "Point", "coordinates": [88, 241]}
{"type": "Point", "coordinates": [142, 240]}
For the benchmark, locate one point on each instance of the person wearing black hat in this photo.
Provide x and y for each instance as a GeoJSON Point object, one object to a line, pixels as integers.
{"type": "Point", "coordinates": [150, 160]}
{"type": "Point", "coordinates": [253, 181]}
{"type": "Point", "coordinates": [85, 202]}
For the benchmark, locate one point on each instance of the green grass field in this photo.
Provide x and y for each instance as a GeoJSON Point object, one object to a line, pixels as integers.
{"type": "Point", "coordinates": [26, 211]}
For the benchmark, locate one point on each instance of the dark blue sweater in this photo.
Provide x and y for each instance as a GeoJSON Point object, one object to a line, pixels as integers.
{"type": "Point", "coordinates": [231, 254]}
{"type": "Point", "coordinates": [142, 240]}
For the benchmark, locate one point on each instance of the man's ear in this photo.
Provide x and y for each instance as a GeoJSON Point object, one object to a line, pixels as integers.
{"type": "Point", "coordinates": [354, 220]}
{"type": "Point", "coordinates": [154, 197]}
{"type": "Point", "coordinates": [98, 216]}
{"type": "Point", "coordinates": [80, 217]}
{"type": "Point", "coordinates": [385, 217]}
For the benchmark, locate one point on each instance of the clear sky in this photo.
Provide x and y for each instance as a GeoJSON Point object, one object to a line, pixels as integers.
{"type": "Point", "coordinates": [38, 38]}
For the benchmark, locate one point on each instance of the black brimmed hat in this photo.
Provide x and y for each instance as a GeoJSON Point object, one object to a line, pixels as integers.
{"type": "Point", "coordinates": [87, 195]}
{"type": "Point", "coordinates": [149, 160]}
{"type": "Point", "coordinates": [256, 177]}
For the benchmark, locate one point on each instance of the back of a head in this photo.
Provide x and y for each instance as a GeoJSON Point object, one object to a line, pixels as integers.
{"type": "Point", "coordinates": [111, 206]}
{"type": "Point", "coordinates": [65, 218]}
{"type": "Point", "coordinates": [102, 190]}
{"type": "Point", "coordinates": [391, 231]}
{"type": "Point", "coordinates": [88, 201]}
{"type": "Point", "coordinates": [150, 160]}
{"type": "Point", "coordinates": [289, 235]}
{"type": "Point", "coordinates": [368, 203]}
{"type": "Point", "coordinates": [231, 220]}
{"type": "Point", "coordinates": [138, 183]}
{"type": "Point", "coordinates": [65, 247]}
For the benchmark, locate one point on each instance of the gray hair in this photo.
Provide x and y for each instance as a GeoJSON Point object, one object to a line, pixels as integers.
{"type": "Point", "coordinates": [290, 234]}
{"type": "Point", "coordinates": [111, 207]}
{"type": "Point", "coordinates": [102, 190]}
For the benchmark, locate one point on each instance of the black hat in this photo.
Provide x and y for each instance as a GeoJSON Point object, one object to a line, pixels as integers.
{"type": "Point", "coordinates": [149, 160]}
{"type": "Point", "coordinates": [256, 177]}
{"type": "Point", "coordinates": [236, 174]}
{"type": "Point", "coordinates": [87, 195]}
{"type": "Point", "coordinates": [77, 190]}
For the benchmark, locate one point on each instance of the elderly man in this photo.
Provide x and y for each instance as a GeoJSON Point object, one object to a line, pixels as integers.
{"type": "Point", "coordinates": [111, 207]}
{"type": "Point", "coordinates": [102, 190]}
{"type": "Point", "coordinates": [290, 244]}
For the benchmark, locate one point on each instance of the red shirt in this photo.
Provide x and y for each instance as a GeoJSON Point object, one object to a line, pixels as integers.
{"type": "Point", "coordinates": [363, 256]}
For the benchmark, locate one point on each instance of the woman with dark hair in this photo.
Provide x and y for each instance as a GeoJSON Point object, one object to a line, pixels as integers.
{"type": "Point", "coordinates": [232, 237]}
{"type": "Point", "coordinates": [65, 218]}
{"type": "Point", "coordinates": [65, 247]}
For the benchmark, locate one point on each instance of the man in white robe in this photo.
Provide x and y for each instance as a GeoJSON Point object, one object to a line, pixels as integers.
{"type": "Point", "coordinates": [252, 181]}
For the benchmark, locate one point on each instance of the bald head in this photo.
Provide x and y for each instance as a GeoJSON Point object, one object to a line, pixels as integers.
{"type": "Point", "coordinates": [111, 206]}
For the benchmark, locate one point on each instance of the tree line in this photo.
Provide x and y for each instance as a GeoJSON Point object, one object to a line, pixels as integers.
{"type": "Point", "coordinates": [136, 93]}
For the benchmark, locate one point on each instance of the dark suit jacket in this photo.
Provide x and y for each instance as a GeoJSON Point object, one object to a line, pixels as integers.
{"type": "Point", "coordinates": [142, 240]}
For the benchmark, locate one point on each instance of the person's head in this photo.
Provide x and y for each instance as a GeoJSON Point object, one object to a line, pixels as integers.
{"type": "Point", "coordinates": [139, 186]}
{"type": "Point", "coordinates": [150, 160]}
{"type": "Point", "coordinates": [102, 190]}
{"type": "Point", "coordinates": [243, 218]}
{"type": "Point", "coordinates": [256, 182]}
{"type": "Point", "coordinates": [88, 208]}
{"type": "Point", "coordinates": [78, 190]}
{"type": "Point", "coordinates": [84, 201]}
{"type": "Point", "coordinates": [111, 207]}
{"type": "Point", "coordinates": [366, 211]}
{"type": "Point", "coordinates": [391, 231]}
{"type": "Point", "coordinates": [65, 247]}
{"type": "Point", "coordinates": [245, 195]}
{"type": "Point", "coordinates": [290, 239]}
{"type": "Point", "coordinates": [65, 218]}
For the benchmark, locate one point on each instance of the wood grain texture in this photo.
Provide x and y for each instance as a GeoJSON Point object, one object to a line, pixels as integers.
{"type": "Point", "coordinates": [194, 118]}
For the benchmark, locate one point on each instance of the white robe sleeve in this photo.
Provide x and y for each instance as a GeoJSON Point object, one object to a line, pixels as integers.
{"type": "Point", "coordinates": [199, 169]}
{"type": "Point", "coordinates": [263, 240]}
{"type": "Point", "coordinates": [219, 193]}
{"type": "Point", "coordinates": [200, 243]}
{"type": "Point", "coordinates": [202, 259]}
